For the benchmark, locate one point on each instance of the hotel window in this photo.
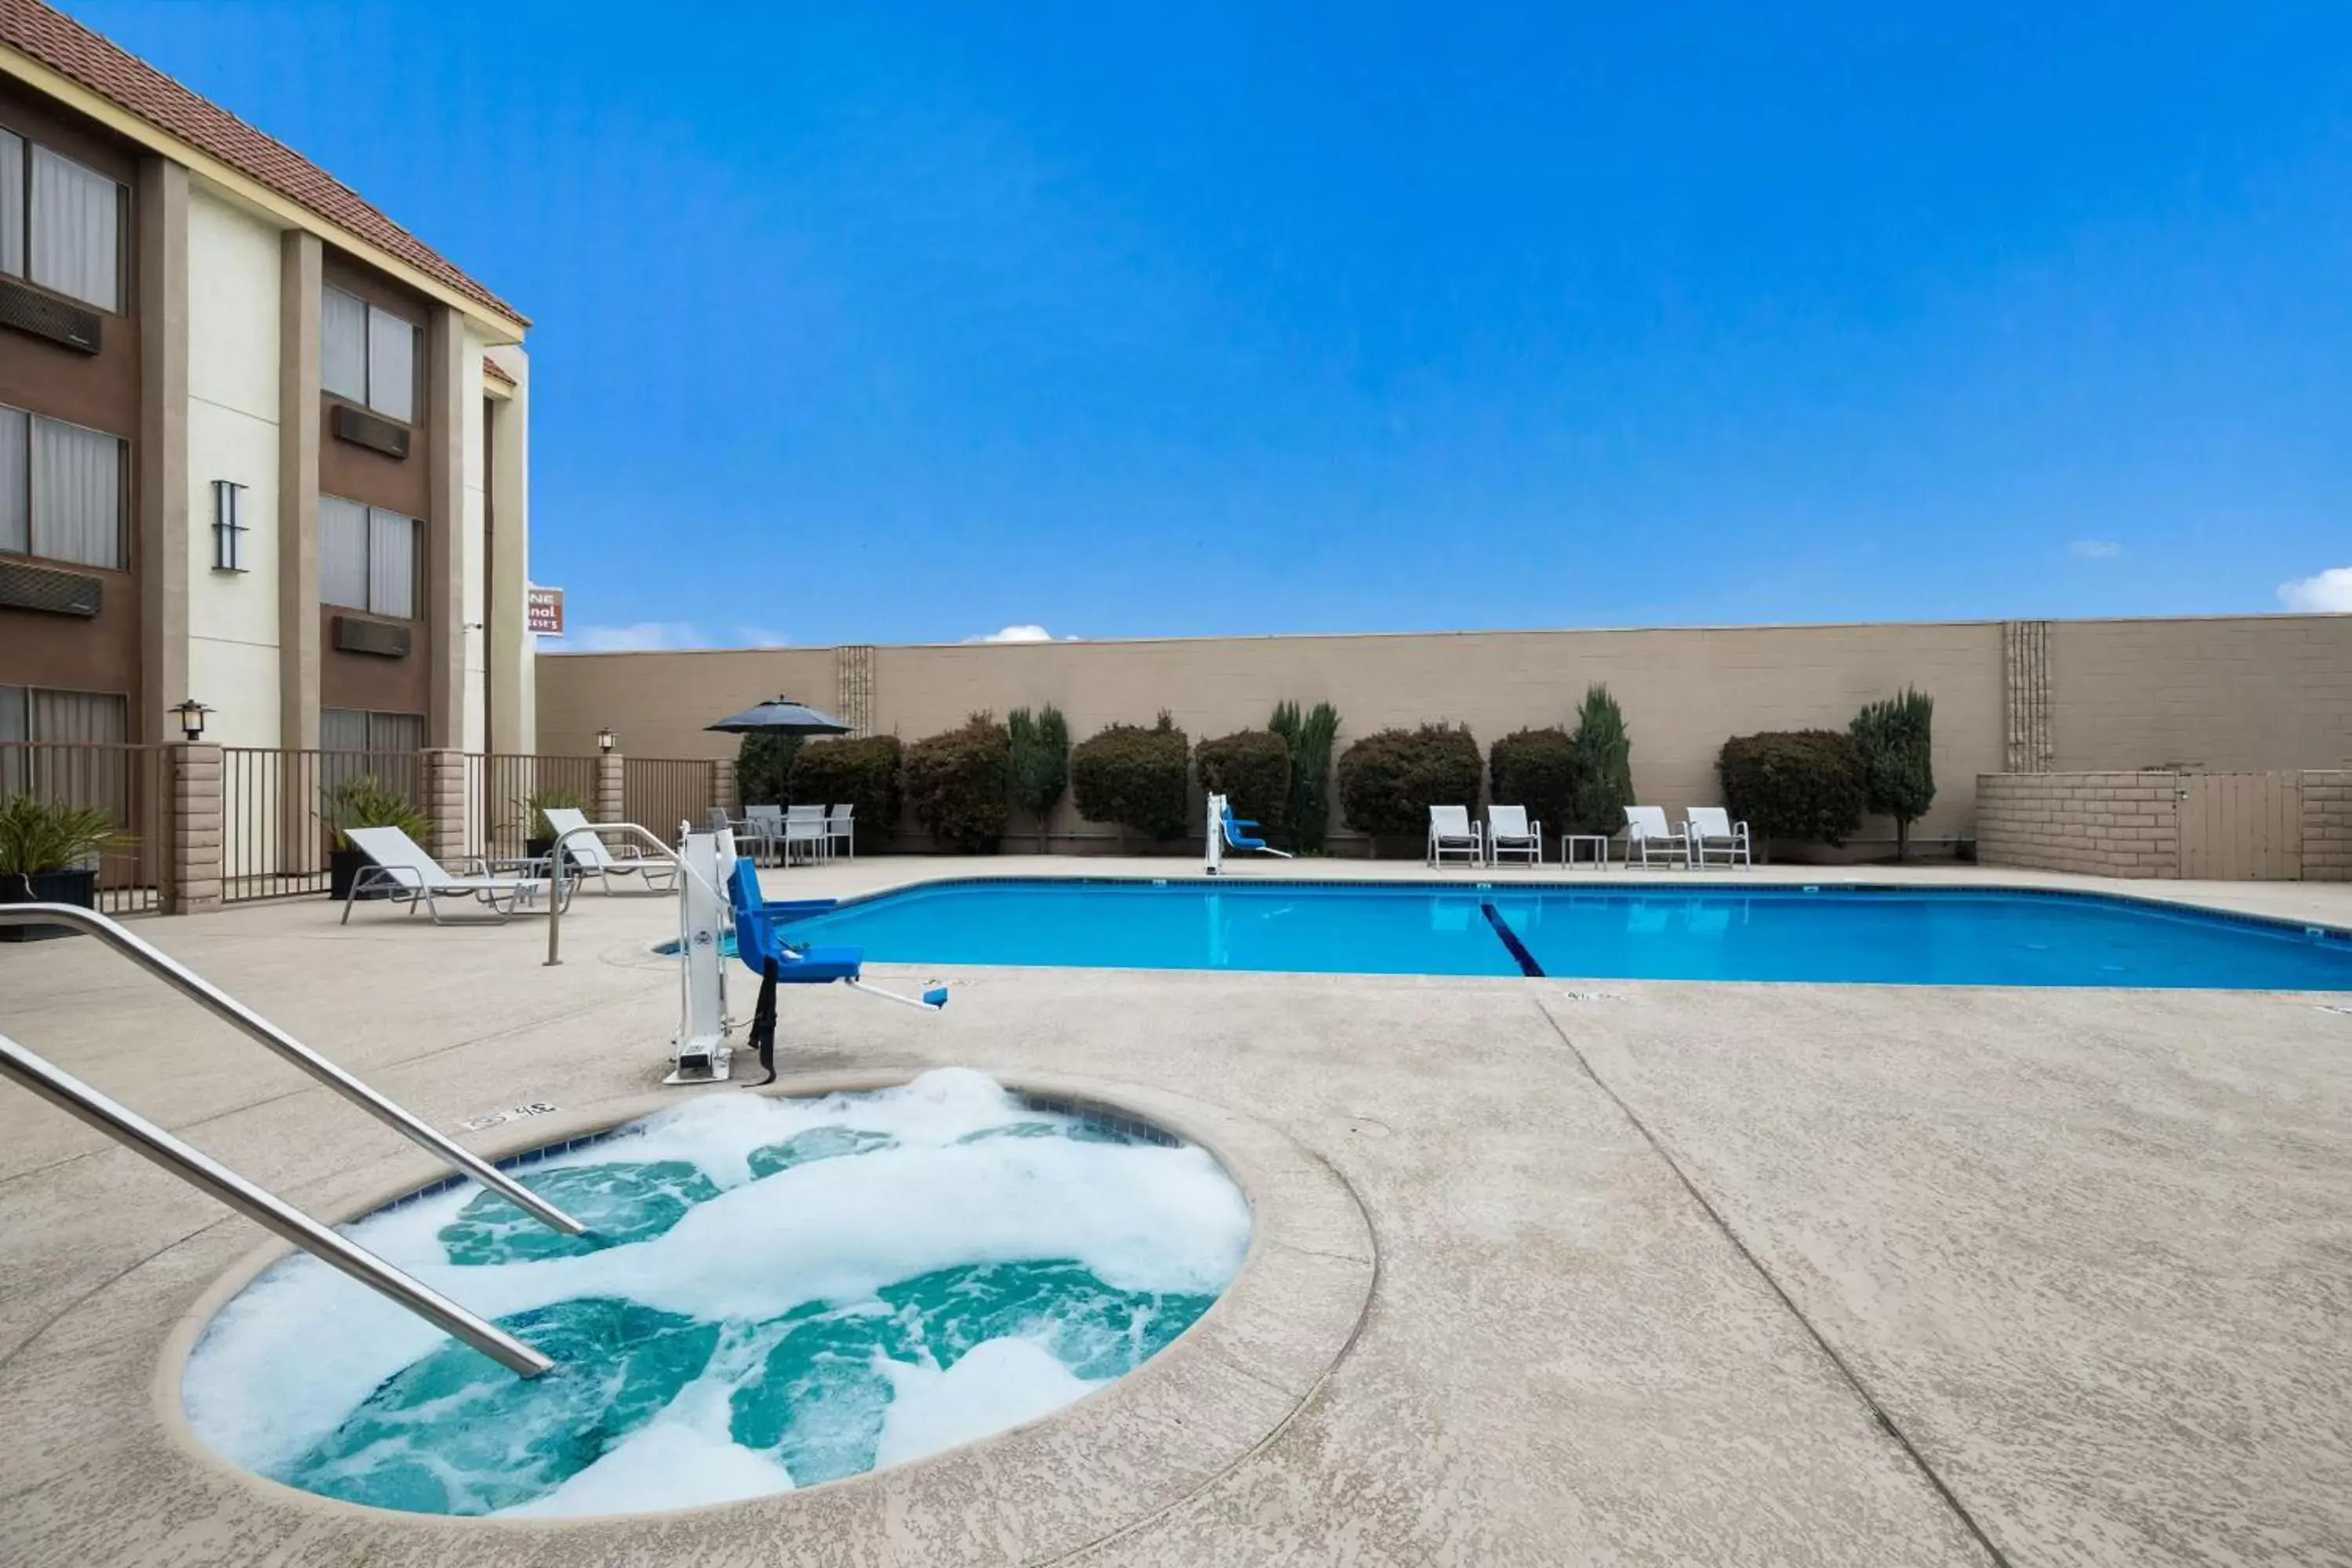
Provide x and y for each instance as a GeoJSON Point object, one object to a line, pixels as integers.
{"type": "Point", "coordinates": [32, 714]}
{"type": "Point", "coordinates": [61, 491]}
{"type": "Point", "coordinates": [367, 558]}
{"type": "Point", "coordinates": [60, 224]}
{"type": "Point", "coordinates": [368, 355]}
{"type": "Point", "coordinates": [352, 730]}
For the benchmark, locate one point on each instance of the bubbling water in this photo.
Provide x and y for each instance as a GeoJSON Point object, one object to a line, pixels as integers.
{"type": "Point", "coordinates": [773, 1293]}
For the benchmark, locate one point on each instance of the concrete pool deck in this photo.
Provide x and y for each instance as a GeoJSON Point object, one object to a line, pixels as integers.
{"type": "Point", "coordinates": [1692, 1273]}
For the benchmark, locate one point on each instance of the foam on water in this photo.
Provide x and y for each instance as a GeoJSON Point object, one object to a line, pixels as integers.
{"type": "Point", "coordinates": [779, 1292]}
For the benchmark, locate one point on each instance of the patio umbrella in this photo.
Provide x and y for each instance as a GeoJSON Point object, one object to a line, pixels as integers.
{"type": "Point", "coordinates": [781, 717]}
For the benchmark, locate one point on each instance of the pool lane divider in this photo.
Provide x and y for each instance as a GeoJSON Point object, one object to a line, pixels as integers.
{"type": "Point", "coordinates": [1527, 960]}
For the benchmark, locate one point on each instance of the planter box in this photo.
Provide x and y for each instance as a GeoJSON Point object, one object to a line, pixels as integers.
{"type": "Point", "coordinates": [78, 887]}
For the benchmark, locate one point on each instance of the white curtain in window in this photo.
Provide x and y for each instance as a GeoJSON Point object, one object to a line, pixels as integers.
{"type": "Point", "coordinates": [15, 480]}
{"type": "Point", "coordinates": [12, 204]}
{"type": "Point", "coordinates": [81, 717]}
{"type": "Point", "coordinates": [342, 345]}
{"type": "Point", "coordinates": [76, 224]}
{"type": "Point", "coordinates": [342, 730]}
{"type": "Point", "coordinates": [392, 563]}
{"type": "Point", "coordinates": [342, 553]}
{"type": "Point", "coordinates": [395, 732]}
{"type": "Point", "coordinates": [77, 494]}
{"type": "Point", "coordinates": [14, 770]}
{"type": "Point", "coordinates": [391, 365]}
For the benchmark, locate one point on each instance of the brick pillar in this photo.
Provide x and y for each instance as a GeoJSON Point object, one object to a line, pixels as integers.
{"type": "Point", "coordinates": [724, 791]}
{"type": "Point", "coordinates": [447, 803]}
{"type": "Point", "coordinates": [193, 877]}
{"type": "Point", "coordinates": [612, 798]}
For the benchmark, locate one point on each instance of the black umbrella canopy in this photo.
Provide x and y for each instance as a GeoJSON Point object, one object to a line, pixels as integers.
{"type": "Point", "coordinates": [781, 717]}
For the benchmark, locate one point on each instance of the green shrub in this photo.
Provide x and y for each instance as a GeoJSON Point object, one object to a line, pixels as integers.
{"type": "Point", "coordinates": [863, 773]}
{"type": "Point", "coordinates": [957, 784]}
{"type": "Point", "coordinates": [1896, 739]}
{"type": "Point", "coordinates": [1134, 777]}
{"type": "Point", "coordinates": [763, 768]}
{"type": "Point", "coordinates": [1311, 736]}
{"type": "Point", "coordinates": [1041, 763]}
{"type": "Point", "coordinates": [42, 836]}
{"type": "Point", "coordinates": [533, 809]}
{"type": "Point", "coordinates": [1541, 770]}
{"type": "Point", "coordinates": [1804, 785]}
{"type": "Point", "coordinates": [368, 801]}
{"type": "Point", "coordinates": [1604, 757]}
{"type": "Point", "coordinates": [1389, 779]}
{"type": "Point", "coordinates": [1250, 768]}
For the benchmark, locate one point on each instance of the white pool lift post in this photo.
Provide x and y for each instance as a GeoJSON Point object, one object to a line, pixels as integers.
{"type": "Point", "coordinates": [1226, 832]}
{"type": "Point", "coordinates": [703, 1051]}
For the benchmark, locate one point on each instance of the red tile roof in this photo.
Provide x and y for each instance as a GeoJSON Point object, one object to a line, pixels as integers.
{"type": "Point", "coordinates": [72, 50]}
{"type": "Point", "coordinates": [495, 371]}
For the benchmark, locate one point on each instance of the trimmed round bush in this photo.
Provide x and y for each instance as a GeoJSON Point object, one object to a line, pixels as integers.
{"type": "Point", "coordinates": [1250, 768]}
{"type": "Point", "coordinates": [1134, 777]}
{"type": "Point", "coordinates": [958, 784]}
{"type": "Point", "coordinates": [1541, 770]}
{"type": "Point", "coordinates": [863, 773]}
{"type": "Point", "coordinates": [1797, 784]}
{"type": "Point", "coordinates": [1389, 779]}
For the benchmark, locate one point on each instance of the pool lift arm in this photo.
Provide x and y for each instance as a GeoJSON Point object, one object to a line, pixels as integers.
{"type": "Point", "coordinates": [1227, 831]}
{"type": "Point", "coordinates": [702, 1052]}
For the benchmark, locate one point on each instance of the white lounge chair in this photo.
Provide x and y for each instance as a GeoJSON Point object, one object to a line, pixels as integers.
{"type": "Point", "coordinates": [590, 856]}
{"type": "Point", "coordinates": [405, 874]}
{"type": "Point", "coordinates": [1714, 836]}
{"type": "Point", "coordinates": [1508, 832]}
{"type": "Point", "coordinates": [763, 826]}
{"type": "Point", "coordinates": [1450, 832]}
{"type": "Point", "coordinates": [839, 829]}
{"type": "Point", "coordinates": [1647, 834]}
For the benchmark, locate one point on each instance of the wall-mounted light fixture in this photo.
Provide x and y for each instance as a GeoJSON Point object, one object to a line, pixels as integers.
{"type": "Point", "coordinates": [229, 526]}
{"type": "Point", "coordinates": [606, 739]}
{"type": "Point", "coordinates": [192, 719]}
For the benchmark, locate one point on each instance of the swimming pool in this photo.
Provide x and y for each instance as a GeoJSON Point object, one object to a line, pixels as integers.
{"type": "Point", "coordinates": [1884, 935]}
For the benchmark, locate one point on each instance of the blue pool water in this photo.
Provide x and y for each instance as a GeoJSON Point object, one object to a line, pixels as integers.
{"type": "Point", "coordinates": [1895, 936]}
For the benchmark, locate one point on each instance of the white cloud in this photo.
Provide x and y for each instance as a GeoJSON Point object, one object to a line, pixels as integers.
{"type": "Point", "coordinates": [638, 636]}
{"type": "Point", "coordinates": [1017, 634]}
{"type": "Point", "coordinates": [2094, 549]}
{"type": "Point", "coordinates": [2323, 593]}
{"type": "Point", "coordinates": [761, 637]}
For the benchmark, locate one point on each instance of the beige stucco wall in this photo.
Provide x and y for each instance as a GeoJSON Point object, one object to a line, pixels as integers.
{"type": "Point", "coordinates": [2225, 694]}
{"type": "Point", "coordinates": [1683, 691]}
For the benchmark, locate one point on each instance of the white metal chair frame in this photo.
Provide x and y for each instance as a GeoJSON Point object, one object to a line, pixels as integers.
{"type": "Point", "coordinates": [407, 875]}
{"type": "Point", "coordinates": [1712, 834]}
{"type": "Point", "coordinates": [1508, 832]}
{"type": "Point", "coordinates": [804, 826]}
{"type": "Point", "coordinates": [1646, 830]}
{"type": "Point", "coordinates": [590, 856]}
{"type": "Point", "coordinates": [1450, 832]}
{"type": "Point", "coordinates": [762, 828]}
{"type": "Point", "coordinates": [840, 828]}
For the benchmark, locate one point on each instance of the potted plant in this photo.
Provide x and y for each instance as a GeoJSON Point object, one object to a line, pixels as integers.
{"type": "Point", "coordinates": [365, 802]}
{"type": "Point", "coordinates": [48, 852]}
{"type": "Point", "coordinates": [539, 833]}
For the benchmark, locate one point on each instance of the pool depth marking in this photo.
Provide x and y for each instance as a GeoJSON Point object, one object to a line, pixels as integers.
{"type": "Point", "coordinates": [1527, 960]}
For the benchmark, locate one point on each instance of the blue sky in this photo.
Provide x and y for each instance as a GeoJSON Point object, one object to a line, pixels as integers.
{"type": "Point", "coordinates": [876, 324]}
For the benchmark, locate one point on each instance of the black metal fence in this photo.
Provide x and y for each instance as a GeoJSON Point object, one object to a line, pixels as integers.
{"type": "Point", "coordinates": [510, 788]}
{"type": "Point", "coordinates": [659, 793]}
{"type": "Point", "coordinates": [280, 810]}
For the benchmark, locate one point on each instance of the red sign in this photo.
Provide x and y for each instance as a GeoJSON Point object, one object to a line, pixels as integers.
{"type": "Point", "coordinates": [544, 611]}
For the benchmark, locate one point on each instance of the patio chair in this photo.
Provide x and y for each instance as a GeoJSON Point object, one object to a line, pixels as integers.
{"type": "Point", "coordinates": [1647, 834]}
{"type": "Point", "coordinates": [1450, 832]}
{"type": "Point", "coordinates": [403, 872]}
{"type": "Point", "coordinates": [1714, 836]}
{"type": "Point", "coordinates": [805, 829]}
{"type": "Point", "coordinates": [1508, 832]}
{"type": "Point", "coordinates": [763, 827]}
{"type": "Point", "coordinates": [590, 856]}
{"type": "Point", "coordinates": [839, 829]}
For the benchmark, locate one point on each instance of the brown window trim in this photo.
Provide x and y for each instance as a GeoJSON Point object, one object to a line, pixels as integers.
{"type": "Point", "coordinates": [123, 234]}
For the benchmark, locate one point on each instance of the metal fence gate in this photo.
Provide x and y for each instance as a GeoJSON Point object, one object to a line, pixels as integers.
{"type": "Point", "coordinates": [2242, 827]}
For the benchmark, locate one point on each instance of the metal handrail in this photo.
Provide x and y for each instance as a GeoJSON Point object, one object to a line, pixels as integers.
{"type": "Point", "coordinates": [230, 1011]}
{"type": "Point", "coordinates": [556, 873]}
{"type": "Point", "coordinates": [144, 1138]}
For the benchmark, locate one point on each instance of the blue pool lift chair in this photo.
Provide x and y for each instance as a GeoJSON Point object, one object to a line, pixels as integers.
{"type": "Point", "coordinates": [1230, 832]}
{"type": "Point", "coordinates": [760, 944]}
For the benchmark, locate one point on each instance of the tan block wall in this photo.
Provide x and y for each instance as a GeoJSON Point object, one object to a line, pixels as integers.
{"type": "Point", "coordinates": [2098, 824]}
{"type": "Point", "coordinates": [2327, 826]}
{"type": "Point", "coordinates": [2228, 694]}
{"type": "Point", "coordinates": [1684, 692]}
